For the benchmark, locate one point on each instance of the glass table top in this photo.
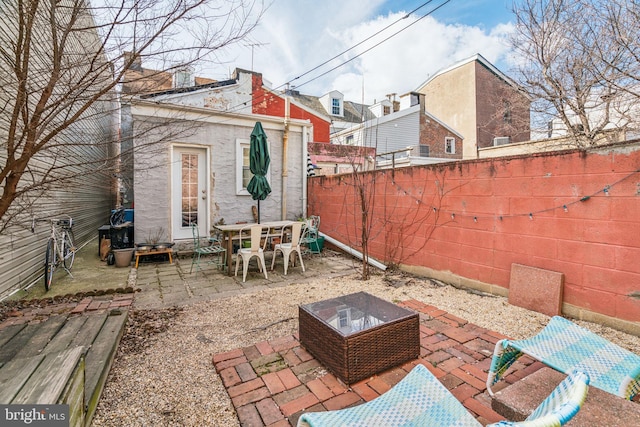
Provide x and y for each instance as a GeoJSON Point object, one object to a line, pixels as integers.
{"type": "Point", "coordinates": [357, 312]}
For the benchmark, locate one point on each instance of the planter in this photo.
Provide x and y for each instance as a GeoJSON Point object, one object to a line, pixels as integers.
{"type": "Point", "coordinates": [316, 247]}
{"type": "Point", "coordinates": [123, 257]}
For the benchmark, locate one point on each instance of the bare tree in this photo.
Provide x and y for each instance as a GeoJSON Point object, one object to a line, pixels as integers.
{"type": "Point", "coordinates": [61, 62]}
{"type": "Point", "coordinates": [578, 58]}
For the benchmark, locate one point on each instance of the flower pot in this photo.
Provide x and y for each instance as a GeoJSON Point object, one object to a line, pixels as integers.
{"type": "Point", "coordinates": [123, 257]}
{"type": "Point", "coordinates": [317, 246]}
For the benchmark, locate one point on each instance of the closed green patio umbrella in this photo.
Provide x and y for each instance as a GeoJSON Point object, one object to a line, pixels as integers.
{"type": "Point", "coordinates": [259, 160]}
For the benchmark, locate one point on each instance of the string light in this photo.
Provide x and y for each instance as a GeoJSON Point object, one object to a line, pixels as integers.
{"type": "Point", "coordinates": [565, 207]}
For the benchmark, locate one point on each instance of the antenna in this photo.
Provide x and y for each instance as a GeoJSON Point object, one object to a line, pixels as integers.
{"type": "Point", "coordinates": [252, 45]}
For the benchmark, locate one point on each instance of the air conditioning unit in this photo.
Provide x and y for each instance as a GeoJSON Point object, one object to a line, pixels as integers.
{"type": "Point", "coordinates": [501, 140]}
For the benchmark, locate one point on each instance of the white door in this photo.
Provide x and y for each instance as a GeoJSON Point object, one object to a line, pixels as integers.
{"type": "Point", "coordinates": [189, 192]}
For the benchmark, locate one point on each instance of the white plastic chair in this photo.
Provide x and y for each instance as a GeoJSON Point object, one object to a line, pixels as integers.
{"type": "Point", "coordinates": [254, 250]}
{"type": "Point", "coordinates": [287, 248]}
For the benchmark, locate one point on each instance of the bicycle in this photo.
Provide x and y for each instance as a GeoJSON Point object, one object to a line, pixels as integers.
{"type": "Point", "coordinates": [60, 248]}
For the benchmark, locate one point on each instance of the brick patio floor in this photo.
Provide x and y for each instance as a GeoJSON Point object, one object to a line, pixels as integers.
{"type": "Point", "coordinates": [273, 382]}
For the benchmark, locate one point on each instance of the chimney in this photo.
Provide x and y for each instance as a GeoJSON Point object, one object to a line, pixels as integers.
{"type": "Point", "coordinates": [136, 65]}
{"type": "Point", "coordinates": [417, 98]}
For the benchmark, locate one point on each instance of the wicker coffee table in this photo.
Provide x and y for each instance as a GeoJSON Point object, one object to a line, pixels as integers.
{"type": "Point", "coordinates": [359, 335]}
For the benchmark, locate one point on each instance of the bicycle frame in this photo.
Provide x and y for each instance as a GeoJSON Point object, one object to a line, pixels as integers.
{"type": "Point", "coordinates": [60, 248]}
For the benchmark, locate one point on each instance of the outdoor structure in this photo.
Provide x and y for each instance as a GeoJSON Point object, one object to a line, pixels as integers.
{"type": "Point", "coordinates": [480, 102]}
{"type": "Point", "coordinates": [410, 136]}
{"type": "Point", "coordinates": [244, 94]}
{"type": "Point", "coordinates": [467, 222]}
{"type": "Point", "coordinates": [195, 168]}
{"type": "Point", "coordinates": [80, 154]}
{"type": "Point", "coordinates": [342, 114]}
{"type": "Point", "coordinates": [331, 159]}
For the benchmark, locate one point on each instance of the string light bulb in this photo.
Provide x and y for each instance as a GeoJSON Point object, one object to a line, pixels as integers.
{"type": "Point", "coordinates": [531, 216]}
{"type": "Point", "coordinates": [453, 216]}
{"type": "Point", "coordinates": [565, 208]}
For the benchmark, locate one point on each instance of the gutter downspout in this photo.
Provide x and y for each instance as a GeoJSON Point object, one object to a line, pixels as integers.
{"type": "Point", "coordinates": [305, 177]}
{"type": "Point", "coordinates": [351, 251]}
{"type": "Point", "coordinates": [285, 158]}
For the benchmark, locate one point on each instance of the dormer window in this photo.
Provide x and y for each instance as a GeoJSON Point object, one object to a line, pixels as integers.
{"type": "Point", "coordinates": [183, 78]}
{"type": "Point", "coordinates": [333, 103]}
{"type": "Point", "coordinates": [336, 106]}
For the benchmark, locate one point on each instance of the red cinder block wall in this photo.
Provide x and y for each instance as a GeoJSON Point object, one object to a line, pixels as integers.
{"type": "Point", "coordinates": [576, 212]}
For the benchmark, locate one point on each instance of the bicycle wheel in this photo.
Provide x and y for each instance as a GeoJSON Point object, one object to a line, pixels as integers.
{"type": "Point", "coordinates": [69, 250]}
{"type": "Point", "coordinates": [49, 264]}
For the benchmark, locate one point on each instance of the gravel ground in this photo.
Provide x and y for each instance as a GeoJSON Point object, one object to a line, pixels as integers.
{"type": "Point", "coordinates": [163, 373]}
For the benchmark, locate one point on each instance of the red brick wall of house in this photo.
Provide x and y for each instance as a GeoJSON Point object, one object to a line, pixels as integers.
{"type": "Point", "coordinates": [475, 218]}
{"type": "Point", "coordinates": [491, 95]}
{"type": "Point", "coordinates": [268, 103]}
{"type": "Point", "coordinates": [433, 134]}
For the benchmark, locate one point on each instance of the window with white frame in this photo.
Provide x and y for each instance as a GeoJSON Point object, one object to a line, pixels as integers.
{"type": "Point", "coordinates": [243, 171]}
{"type": "Point", "coordinates": [449, 145]}
{"type": "Point", "coordinates": [349, 140]}
{"type": "Point", "coordinates": [336, 106]}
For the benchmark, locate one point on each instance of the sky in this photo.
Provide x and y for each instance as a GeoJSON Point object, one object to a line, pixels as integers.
{"type": "Point", "coordinates": [295, 36]}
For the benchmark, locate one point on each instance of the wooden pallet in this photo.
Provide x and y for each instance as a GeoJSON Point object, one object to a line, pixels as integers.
{"type": "Point", "coordinates": [61, 360]}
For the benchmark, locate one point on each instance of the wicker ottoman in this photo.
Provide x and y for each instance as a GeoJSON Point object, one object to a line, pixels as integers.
{"type": "Point", "coordinates": [359, 335]}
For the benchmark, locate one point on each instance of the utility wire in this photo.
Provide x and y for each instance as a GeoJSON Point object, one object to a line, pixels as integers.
{"type": "Point", "coordinates": [259, 99]}
{"type": "Point", "coordinates": [372, 47]}
{"type": "Point", "coordinates": [358, 44]}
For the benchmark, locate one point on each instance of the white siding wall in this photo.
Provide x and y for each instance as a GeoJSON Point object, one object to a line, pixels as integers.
{"type": "Point", "coordinates": [83, 149]}
{"type": "Point", "coordinates": [393, 132]}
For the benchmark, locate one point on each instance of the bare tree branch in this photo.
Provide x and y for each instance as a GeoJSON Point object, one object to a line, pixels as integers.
{"type": "Point", "coordinates": [61, 66]}
{"type": "Point", "coordinates": [578, 58]}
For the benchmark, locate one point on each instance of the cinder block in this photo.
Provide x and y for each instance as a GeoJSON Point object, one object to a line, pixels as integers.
{"type": "Point", "coordinates": [517, 401]}
{"type": "Point", "coordinates": [536, 289]}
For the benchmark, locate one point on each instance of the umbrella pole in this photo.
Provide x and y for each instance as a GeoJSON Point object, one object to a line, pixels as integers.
{"type": "Point", "coordinates": [258, 211]}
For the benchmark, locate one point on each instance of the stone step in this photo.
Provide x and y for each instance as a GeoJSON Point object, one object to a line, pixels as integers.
{"type": "Point", "coordinates": [519, 399]}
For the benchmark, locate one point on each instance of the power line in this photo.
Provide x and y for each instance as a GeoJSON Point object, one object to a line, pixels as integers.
{"type": "Point", "coordinates": [255, 101]}
{"type": "Point", "coordinates": [235, 107]}
{"type": "Point", "coordinates": [372, 47]}
{"type": "Point", "coordinates": [358, 44]}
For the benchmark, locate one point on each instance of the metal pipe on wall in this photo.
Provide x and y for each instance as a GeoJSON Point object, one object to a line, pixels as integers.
{"type": "Point", "coordinates": [285, 159]}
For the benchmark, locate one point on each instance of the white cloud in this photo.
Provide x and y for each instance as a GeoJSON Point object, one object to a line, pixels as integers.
{"type": "Point", "coordinates": [298, 36]}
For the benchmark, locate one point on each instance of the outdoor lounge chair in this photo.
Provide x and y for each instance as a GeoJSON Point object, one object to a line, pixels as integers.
{"type": "Point", "coordinates": [565, 346]}
{"type": "Point", "coordinates": [421, 400]}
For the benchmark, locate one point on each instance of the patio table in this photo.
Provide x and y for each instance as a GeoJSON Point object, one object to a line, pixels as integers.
{"type": "Point", "coordinates": [359, 335]}
{"type": "Point", "coordinates": [231, 230]}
